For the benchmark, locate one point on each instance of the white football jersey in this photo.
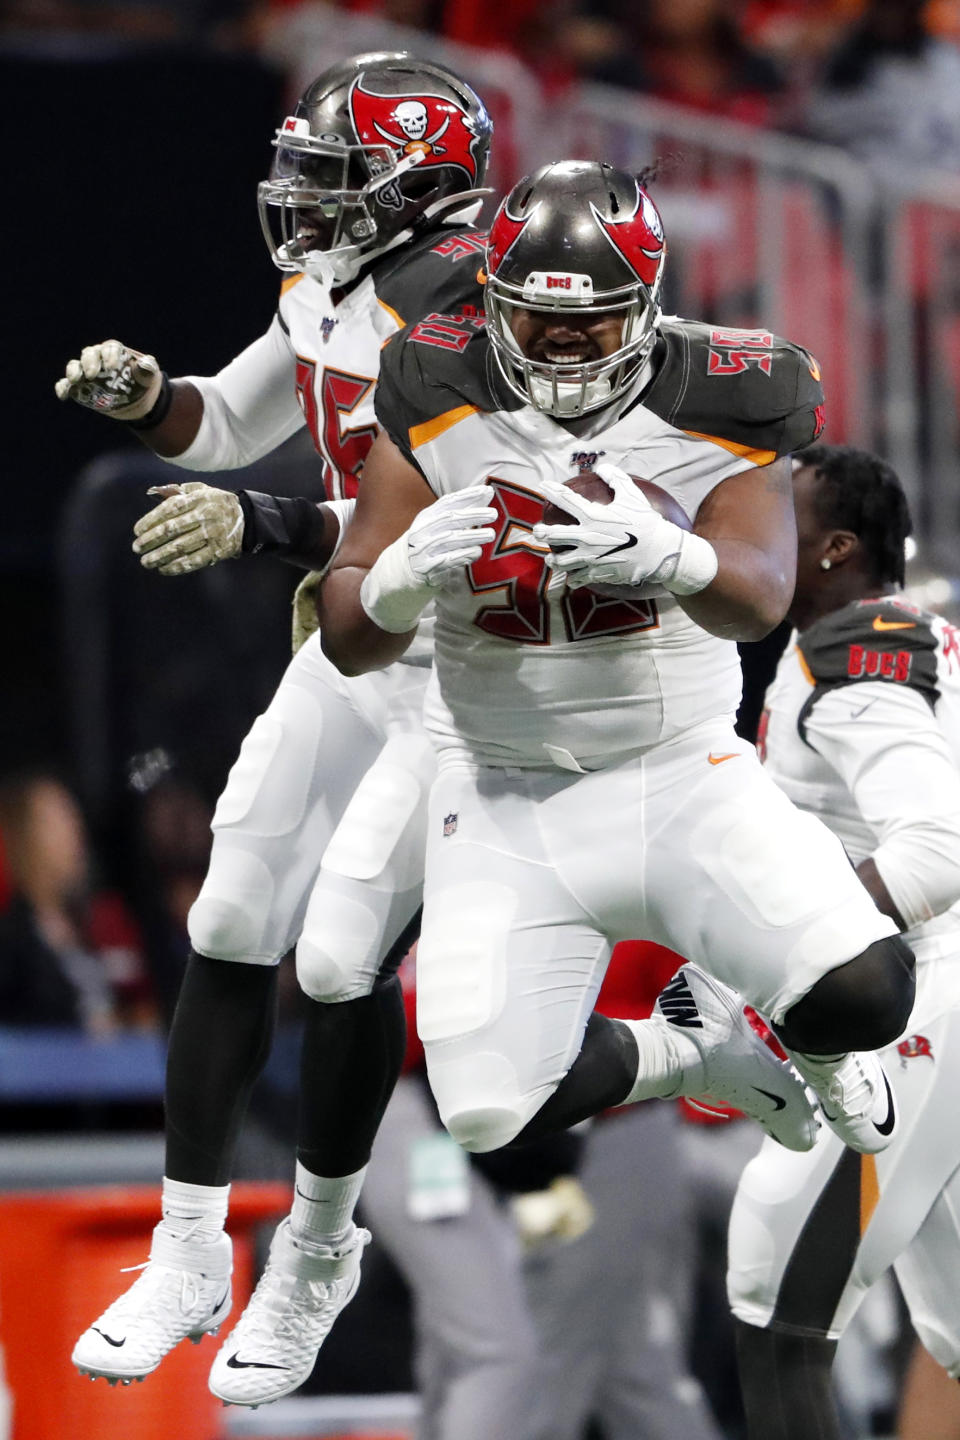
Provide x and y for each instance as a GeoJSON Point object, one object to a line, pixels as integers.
{"type": "Point", "coordinates": [317, 364]}
{"type": "Point", "coordinates": [634, 672]}
{"type": "Point", "coordinates": [862, 727]}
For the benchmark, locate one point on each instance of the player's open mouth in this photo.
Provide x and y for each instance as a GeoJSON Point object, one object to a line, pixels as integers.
{"type": "Point", "coordinates": [566, 357]}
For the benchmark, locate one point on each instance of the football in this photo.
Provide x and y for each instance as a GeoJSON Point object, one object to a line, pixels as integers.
{"type": "Point", "coordinates": [593, 487]}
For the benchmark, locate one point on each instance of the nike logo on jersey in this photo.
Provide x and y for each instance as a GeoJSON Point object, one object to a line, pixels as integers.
{"type": "Point", "coordinates": [677, 1005]}
{"type": "Point", "coordinates": [109, 1338]}
{"type": "Point", "coordinates": [235, 1363]}
{"type": "Point", "coordinates": [628, 544]}
{"type": "Point", "coordinates": [719, 759]}
{"type": "Point", "coordinates": [880, 624]}
{"type": "Point", "coordinates": [778, 1100]}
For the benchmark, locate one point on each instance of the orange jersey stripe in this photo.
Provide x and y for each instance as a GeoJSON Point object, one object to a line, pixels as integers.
{"type": "Point", "coordinates": [391, 312]}
{"type": "Point", "coordinates": [756, 457]}
{"type": "Point", "coordinates": [869, 1189]}
{"type": "Point", "coordinates": [289, 283]}
{"type": "Point", "coordinates": [430, 429]}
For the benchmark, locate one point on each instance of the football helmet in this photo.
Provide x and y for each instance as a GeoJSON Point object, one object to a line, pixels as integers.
{"type": "Point", "coordinates": [377, 147]}
{"type": "Point", "coordinates": [582, 237]}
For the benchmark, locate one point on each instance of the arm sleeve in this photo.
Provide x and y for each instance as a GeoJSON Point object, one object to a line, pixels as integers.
{"type": "Point", "coordinates": [888, 749]}
{"type": "Point", "coordinates": [249, 408]}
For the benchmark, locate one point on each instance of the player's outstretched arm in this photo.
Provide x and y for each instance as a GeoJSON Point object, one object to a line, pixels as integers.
{"type": "Point", "coordinates": [399, 549]}
{"type": "Point", "coordinates": [128, 385]}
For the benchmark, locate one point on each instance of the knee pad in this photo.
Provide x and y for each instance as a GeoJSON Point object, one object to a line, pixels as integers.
{"type": "Point", "coordinates": [862, 1005]}
{"type": "Point", "coordinates": [482, 1130]}
{"type": "Point", "coordinates": [338, 960]}
{"type": "Point", "coordinates": [479, 1097]}
{"type": "Point", "coordinates": [232, 917]}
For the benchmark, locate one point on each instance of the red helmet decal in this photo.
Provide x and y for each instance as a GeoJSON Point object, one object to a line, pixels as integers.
{"type": "Point", "coordinates": [434, 125]}
{"type": "Point", "coordinates": [503, 233]}
{"type": "Point", "coordinates": [638, 237]}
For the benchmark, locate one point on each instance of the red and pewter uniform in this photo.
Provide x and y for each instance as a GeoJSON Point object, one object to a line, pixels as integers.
{"type": "Point", "coordinates": [862, 728]}
{"type": "Point", "coordinates": [608, 675]}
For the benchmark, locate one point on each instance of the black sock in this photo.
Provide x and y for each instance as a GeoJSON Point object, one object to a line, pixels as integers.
{"type": "Point", "coordinates": [352, 1054]}
{"type": "Point", "coordinates": [220, 1038]}
{"type": "Point", "coordinates": [786, 1386]}
{"type": "Point", "coordinates": [602, 1075]}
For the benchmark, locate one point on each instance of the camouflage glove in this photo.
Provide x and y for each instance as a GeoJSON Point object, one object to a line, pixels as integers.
{"type": "Point", "coordinates": [123, 384]}
{"type": "Point", "coordinates": [195, 525]}
{"type": "Point", "coordinates": [305, 622]}
{"type": "Point", "coordinates": [561, 1212]}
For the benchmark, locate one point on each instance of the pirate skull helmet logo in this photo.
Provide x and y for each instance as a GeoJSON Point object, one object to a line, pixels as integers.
{"type": "Point", "coordinates": [412, 117]}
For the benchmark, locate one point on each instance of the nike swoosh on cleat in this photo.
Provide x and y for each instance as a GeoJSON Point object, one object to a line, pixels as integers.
{"type": "Point", "coordinates": [235, 1363]}
{"type": "Point", "coordinates": [109, 1338]}
{"type": "Point", "coordinates": [778, 1100]}
{"type": "Point", "coordinates": [887, 1126]}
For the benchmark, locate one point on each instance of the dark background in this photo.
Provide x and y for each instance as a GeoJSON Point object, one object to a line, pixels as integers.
{"type": "Point", "coordinates": [131, 212]}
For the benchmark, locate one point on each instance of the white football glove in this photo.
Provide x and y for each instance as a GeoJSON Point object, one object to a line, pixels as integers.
{"type": "Point", "coordinates": [444, 538]}
{"type": "Point", "coordinates": [194, 526]}
{"type": "Point", "coordinates": [113, 380]}
{"type": "Point", "coordinates": [624, 543]}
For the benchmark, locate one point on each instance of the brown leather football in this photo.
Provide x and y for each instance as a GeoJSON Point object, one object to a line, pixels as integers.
{"type": "Point", "coordinates": [593, 487]}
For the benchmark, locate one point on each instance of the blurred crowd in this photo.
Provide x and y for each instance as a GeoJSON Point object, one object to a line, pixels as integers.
{"type": "Point", "coordinates": [879, 77]}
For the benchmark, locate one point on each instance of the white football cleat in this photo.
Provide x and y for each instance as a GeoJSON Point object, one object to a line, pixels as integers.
{"type": "Point", "coordinates": [274, 1345]}
{"type": "Point", "coordinates": [855, 1097]}
{"type": "Point", "coordinates": [183, 1293]}
{"type": "Point", "coordinates": [735, 1067]}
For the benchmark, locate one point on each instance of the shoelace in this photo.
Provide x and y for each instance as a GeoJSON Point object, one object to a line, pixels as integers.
{"type": "Point", "coordinates": [189, 1288]}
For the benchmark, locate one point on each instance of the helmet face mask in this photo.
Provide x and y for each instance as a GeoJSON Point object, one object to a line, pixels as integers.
{"type": "Point", "coordinates": [377, 147]}
{"type": "Point", "coordinates": [574, 240]}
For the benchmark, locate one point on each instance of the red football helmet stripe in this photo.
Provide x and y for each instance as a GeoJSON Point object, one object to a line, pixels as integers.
{"type": "Point", "coordinates": [638, 238]}
{"type": "Point", "coordinates": [503, 234]}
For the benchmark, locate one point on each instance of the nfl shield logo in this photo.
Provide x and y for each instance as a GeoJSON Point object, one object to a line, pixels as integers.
{"type": "Point", "coordinates": [450, 824]}
{"type": "Point", "coordinates": [326, 327]}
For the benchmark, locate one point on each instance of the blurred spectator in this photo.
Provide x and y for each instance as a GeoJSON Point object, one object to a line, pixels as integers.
{"type": "Point", "coordinates": [691, 52]}
{"type": "Point", "coordinates": [69, 954]}
{"type": "Point", "coordinates": [100, 27]}
{"type": "Point", "coordinates": [890, 93]}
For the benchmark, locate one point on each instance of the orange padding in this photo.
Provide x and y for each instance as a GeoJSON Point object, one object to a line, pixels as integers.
{"type": "Point", "coordinates": [61, 1255]}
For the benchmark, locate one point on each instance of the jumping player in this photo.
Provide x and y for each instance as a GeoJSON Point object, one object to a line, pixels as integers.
{"type": "Point", "coordinates": [591, 786]}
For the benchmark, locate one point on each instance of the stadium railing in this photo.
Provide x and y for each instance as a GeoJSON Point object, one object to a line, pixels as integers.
{"type": "Point", "coordinates": [764, 229]}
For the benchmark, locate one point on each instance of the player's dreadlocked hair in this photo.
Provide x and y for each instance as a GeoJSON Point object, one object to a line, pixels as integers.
{"type": "Point", "coordinates": [860, 492]}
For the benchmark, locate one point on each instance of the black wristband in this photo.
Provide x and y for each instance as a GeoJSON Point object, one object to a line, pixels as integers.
{"type": "Point", "coordinates": [161, 406]}
{"type": "Point", "coordinates": [293, 529]}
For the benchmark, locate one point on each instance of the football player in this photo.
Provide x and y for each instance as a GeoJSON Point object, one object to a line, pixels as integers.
{"type": "Point", "coordinates": [370, 235]}
{"type": "Point", "coordinates": [862, 728]}
{"type": "Point", "coordinates": [368, 211]}
{"type": "Point", "coordinates": [591, 786]}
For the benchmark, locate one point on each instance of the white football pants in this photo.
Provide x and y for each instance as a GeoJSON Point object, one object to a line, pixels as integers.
{"type": "Point", "coordinates": [318, 837]}
{"type": "Point", "coordinates": [810, 1233]}
{"type": "Point", "coordinates": [532, 875]}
